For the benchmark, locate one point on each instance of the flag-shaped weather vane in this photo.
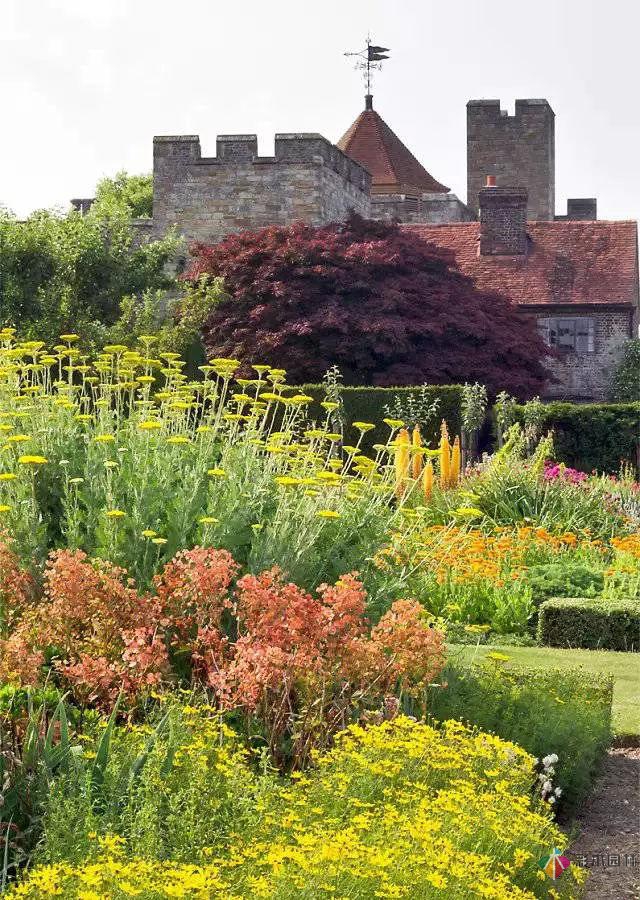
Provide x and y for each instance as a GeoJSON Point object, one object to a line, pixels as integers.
{"type": "Point", "coordinates": [368, 59]}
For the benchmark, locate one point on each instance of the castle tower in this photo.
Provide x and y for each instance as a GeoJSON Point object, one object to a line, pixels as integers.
{"type": "Point", "coordinates": [518, 150]}
{"type": "Point", "coordinates": [401, 187]}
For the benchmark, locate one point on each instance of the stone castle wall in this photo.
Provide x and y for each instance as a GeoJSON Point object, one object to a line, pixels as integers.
{"type": "Point", "coordinates": [307, 179]}
{"type": "Point", "coordinates": [519, 150]}
{"type": "Point", "coordinates": [434, 208]}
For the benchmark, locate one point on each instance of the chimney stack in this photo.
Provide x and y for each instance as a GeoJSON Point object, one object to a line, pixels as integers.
{"type": "Point", "coordinates": [503, 220]}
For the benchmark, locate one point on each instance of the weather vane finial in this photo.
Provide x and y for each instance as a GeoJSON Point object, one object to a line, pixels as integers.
{"type": "Point", "coordinates": [369, 58]}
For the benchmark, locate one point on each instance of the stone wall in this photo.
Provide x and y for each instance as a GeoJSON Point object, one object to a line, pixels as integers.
{"type": "Point", "coordinates": [308, 179]}
{"type": "Point", "coordinates": [431, 208]}
{"type": "Point", "coordinates": [519, 150]}
{"type": "Point", "coordinates": [587, 376]}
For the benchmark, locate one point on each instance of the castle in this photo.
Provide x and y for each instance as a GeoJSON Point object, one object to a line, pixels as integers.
{"type": "Point", "coordinates": [577, 275]}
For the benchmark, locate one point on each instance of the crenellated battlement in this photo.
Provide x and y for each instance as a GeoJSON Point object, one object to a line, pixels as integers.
{"type": "Point", "coordinates": [306, 179]}
{"type": "Point", "coordinates": [308, 149]}
{"type": "Point", "coordinates": [518, 150]}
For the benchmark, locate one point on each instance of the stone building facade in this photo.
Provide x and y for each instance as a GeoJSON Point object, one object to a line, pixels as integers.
{"type": "Point", "coordinates": [578, 278]}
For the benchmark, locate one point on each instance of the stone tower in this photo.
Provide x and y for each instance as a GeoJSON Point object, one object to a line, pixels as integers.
{"type": "Point", "coordinates": [518, 150]}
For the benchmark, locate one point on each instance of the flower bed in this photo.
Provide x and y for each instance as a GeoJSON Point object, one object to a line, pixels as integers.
{"type": "Point", "coordinates": [454, 799]}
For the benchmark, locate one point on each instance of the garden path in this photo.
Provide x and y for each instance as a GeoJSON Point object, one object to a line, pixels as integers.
{"type": "Point", "coordinates": [610, 830]}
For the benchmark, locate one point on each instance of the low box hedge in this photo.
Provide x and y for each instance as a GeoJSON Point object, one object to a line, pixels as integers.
{"type": "Point", "coordinates": [590, 623]}
{"type": "Point", "coordinates": [367, 404]}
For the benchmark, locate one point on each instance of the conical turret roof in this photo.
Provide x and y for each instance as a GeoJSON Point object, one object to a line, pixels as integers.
{"type": "Point", "coordinates": [394, 168]}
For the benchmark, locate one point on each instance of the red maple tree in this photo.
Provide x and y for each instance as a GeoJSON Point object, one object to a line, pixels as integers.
{"type": "Point", "coordinates": [379, 302]}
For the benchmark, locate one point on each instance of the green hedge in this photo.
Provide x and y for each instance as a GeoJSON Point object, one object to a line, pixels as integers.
{"type": "Point", "coordinates": [590, 436]}
{"type": "Point", "coordinates": [590, 623]}
{"type": "Point", "coordinates": [542, 710]}
{"type": "Point", "coordinates": [366, 404]}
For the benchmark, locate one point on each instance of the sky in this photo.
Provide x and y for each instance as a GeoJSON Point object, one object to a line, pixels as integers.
{"type": "Point", "coordinates": [86, 84]}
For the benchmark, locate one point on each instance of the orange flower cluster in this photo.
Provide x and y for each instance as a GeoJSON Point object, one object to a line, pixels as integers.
{"type": "Point", "coordinates": [628, 544]}
{"type": "Point", "coordinates": [459, 554]}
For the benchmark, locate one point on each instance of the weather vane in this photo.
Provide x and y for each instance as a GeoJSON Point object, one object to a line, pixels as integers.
{"type": "Point", "coordinates": [369, 58]}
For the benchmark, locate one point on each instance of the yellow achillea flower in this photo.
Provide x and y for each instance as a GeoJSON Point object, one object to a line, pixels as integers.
{"type": "Point", "coordinates": [115, 514]}
{"type": "Point", "coordinates": [32, 460]}
{"type": "Point", "coordinates": [7, 476]}
{"type": "Point", "coordinates": [328, 514]}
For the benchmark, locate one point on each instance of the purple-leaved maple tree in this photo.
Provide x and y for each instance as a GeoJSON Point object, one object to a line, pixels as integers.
{"type": "Point", "coordinates": [379, 302]}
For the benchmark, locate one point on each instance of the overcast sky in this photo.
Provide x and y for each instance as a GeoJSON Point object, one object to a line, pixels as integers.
{"type": "Point", "coordinates": [87, 83]}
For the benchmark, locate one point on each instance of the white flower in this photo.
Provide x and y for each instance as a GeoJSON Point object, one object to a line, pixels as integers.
{"type": "Point", "coordinates": [549, 760]}
{"type": "Point", "coordinates": [552, 799]}
{"type": "Point", "coordinates": [547, 787]}
{"type": "Point", "coordinates": [557, 792]}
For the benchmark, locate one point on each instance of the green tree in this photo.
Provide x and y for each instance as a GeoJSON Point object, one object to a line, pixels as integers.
{"type": "Point", "coordinates": [71, 272]}
{"type": "Point", "coordinates": [133, 192]}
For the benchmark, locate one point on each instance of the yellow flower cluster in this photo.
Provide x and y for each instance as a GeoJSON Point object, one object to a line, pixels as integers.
{"type": "Point", "coordinates": [398, 810]}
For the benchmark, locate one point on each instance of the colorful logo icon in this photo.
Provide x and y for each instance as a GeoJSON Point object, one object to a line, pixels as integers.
{"type": "Point", "coordinates": [554, 864]}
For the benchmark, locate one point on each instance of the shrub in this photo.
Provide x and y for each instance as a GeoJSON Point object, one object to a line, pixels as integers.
{"type": "Point", "coordinates": [379, 302]}
{"type": "Point", "coordinates": [567, 712]}
{"type": "Point", "coordinates": [593, 436]}
{"type": "Point", "coordinates": [563, 579]}
{"type": "Point", "coordinates": [599, 624]}
{"type": "Point", "coordinates": [296, 667]}
{"type": "Point", "coordinates": [453, 797]}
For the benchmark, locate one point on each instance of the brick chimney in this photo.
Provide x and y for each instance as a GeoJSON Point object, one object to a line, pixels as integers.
{"type": "Point", "coordinates": [503, 220]}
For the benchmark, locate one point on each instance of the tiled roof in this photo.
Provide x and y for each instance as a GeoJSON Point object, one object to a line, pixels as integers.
{"type": "Point", "coordinates": [394, 169]}
{"type": "Point", "coordinates": [569, 262]}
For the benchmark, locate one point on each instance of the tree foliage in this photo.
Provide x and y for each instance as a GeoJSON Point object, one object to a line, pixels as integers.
{"type": "Point", "coordinates": [133, 192]}
{"type": "Point", "coordinates": [61, 272]}
{"type": "Point", "coordinates": [626, 380]}
{"type": "Point", "coordinates": [375, 299]}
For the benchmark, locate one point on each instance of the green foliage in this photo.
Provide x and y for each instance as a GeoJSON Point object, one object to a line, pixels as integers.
{"type": "Point", "coordinates": [176, 321]}
{"type": "Point", "coordinates": [173, 786]}
{"type": "Point", "coordinates": [626, 380]}
{"type": "Point", "coordinates": [592, 436]}
{"type": "Point", "coordinates": [562, 711]}
{"type": "Point", "coordinates": [61, 273]}
{"type": "Point", "coordinates": [368, 404]}
{"type": "Point", "coordinates": [509, 490]}
{"type": "Point", "coordinates": [592, 624]}
{"type": "Point", "coordinates": [134, 192]}
{"type": "Point", "coordinates": [563, 579]}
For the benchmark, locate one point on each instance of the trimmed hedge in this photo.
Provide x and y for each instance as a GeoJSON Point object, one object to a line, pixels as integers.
{"type": "Point", "coordinates": [366, 404]}
{"type": "Point", "coordinates": [590, 623]}
{"type": "Point", "coordinates": [542, 710]}
{"type": "Point", "coordinates": [593, 436]}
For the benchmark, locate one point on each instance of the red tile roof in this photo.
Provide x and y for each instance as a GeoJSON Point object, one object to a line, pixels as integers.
{"type": "Point", "coordinates": [571, 262]}
{"type": "Point", "coordinates": [394, 168]}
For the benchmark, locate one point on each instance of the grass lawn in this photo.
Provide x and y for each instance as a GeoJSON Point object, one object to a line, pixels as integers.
{"type": "Point", "coordinates": [625, 668]}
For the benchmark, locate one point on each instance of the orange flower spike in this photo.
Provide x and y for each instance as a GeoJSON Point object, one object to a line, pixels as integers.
{"type": "Point", "coordinates": [417, 454]}
{"type": "Point", "coordinates": [445, 460]}
{"type": "Point", "coordinates": [454, 474]}
{"type": "Point", "coordinates": [402, 461]}
{"type": "Point", "coordinates": [427, 480]}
